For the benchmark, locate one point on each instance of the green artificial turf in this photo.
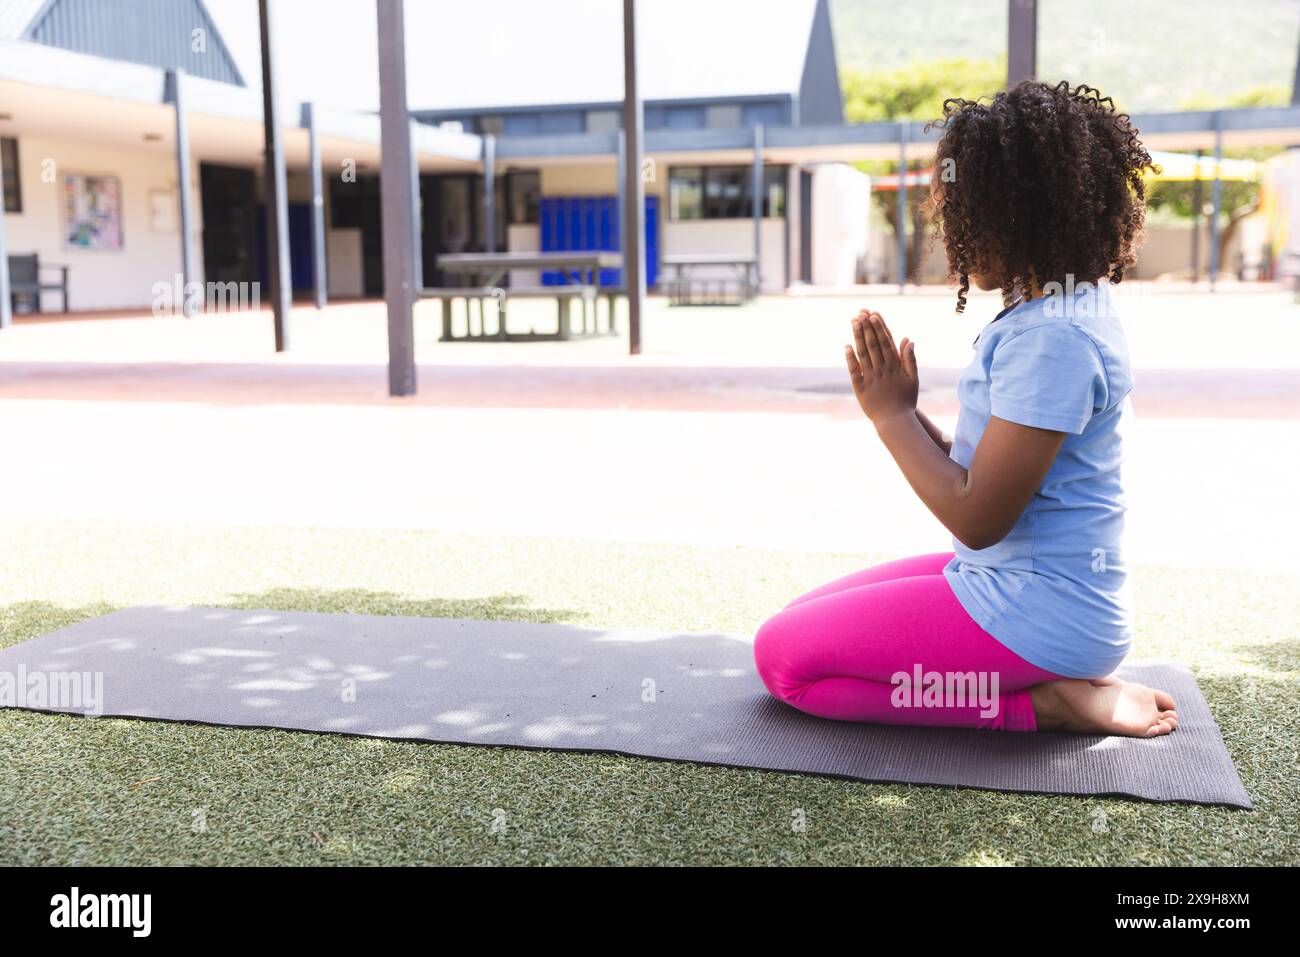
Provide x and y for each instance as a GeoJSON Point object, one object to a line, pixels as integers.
{"type": "Point", "coordinates": [78, 791]}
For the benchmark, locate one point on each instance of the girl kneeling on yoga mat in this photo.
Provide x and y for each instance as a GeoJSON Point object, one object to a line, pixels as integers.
{"type": "Point", "coordinates": [1039, 193]}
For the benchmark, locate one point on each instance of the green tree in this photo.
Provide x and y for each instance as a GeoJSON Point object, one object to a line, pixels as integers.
{"type": "Point", "coordinates": [917, 92]}
{"type": "Point", "coordinates": [913, 93]}
{"type": "Point", "coordinates": [1182, 199]}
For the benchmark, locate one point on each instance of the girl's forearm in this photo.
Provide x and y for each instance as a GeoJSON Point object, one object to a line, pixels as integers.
{"type": "Point", "coordinates": [936, 434]}
{"type": "Point", "coordinates": [938, 481]}
{"type": "Point", "coordinates": [981, 504]}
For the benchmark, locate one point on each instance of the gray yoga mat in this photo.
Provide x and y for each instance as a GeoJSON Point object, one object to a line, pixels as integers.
{"type": "Point", "coordinates": [655, 694]}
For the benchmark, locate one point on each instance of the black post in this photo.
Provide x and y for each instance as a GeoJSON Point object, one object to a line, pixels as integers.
{"type": "Point", "coordinates": [756, 187]}
{"type": "Point", "coordinates": [1216, 201]}
{"type": "Point", "coordinates": [1022, 41]}
{"type": "Point", "coordinates": [417, 236]}
{"type": "Point", "coordinates": [900, 209]}
{"type": "Point", "coordinates": [397, 198]}
{"type": "Point", "coordinates": [490, 193]}
{"type": "Point", "coordinates": [317, 205]}
{"type": "Point", "coordinates": [277, 202]}
{"type": "Point", "coordinates": [6, 305]}
{"type": "Point", "coordinates": [1197, 201]}
{"type": "Point", "coordinates": [620, 163]}
{"type": "Point", "coordinates": [1295, 83]}
{"type": "Point", "coordinates": [184, 185]}
{"type": "Point", "coordinates": [634, 188]}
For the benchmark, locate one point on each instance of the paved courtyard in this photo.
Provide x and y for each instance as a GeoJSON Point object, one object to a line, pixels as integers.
{"type": "Point", "coordinates": [735, 426]}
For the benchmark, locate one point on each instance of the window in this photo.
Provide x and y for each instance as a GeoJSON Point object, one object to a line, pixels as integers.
{"type": "Point", "coordinates": [722, 117]}
{"type": "Point", "coordinates": [723, 192]}
{"type": "Point", "coordinates": [13, 192]}
{"type": "Point", "coordinates": [604, 121]}
{"type": "Point", "coordinates": [774, 180]}
{"type": "Point", "coordinates": [726, 192]}
{"type": "Point", "coordinates": [524, 188]}
{"type": "Point", "coordinates": [686, 192]}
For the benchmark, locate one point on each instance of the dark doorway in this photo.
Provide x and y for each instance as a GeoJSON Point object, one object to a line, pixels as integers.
{"type": "Point", "coordinates": [354, 204]}
{"type": "Point", "coordinates": [805, 224]}
{"type": "Point", "coordinates": [229, 223]}
{"type": "Point", "coordinates": [372, 237]}
{"type": "Point", "coordinates": [453, 220]}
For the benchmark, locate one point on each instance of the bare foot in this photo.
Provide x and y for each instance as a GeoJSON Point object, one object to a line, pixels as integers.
{"type": "Point", "coordinates": [1103, 706]}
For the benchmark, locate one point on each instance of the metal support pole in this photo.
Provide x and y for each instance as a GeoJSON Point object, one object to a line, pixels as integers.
{"type": "Point", "coordinates": [621, 202]}
{"type": "Point", "coordinates": [1022, 41]}
{"type": "Point", "coordinates": [277, 200]}
{"type": "Point", "coordinates": [1295, 83]}
{"type": "Point", "coordinates": [490, 192]}
{"type": "Point", "coordinates": [634, 188]}
{"type": "Point", "coordinates": [184, 185]}
{"type": "Point", "coordinates": [757, 189]}
{"type": "Point", "coordinates": [417, 217]}
{"type": "Point", "coordinates": [397, 198]}
{"type": "Point", "coordinates": [317, 205]}
{"type": "Point", "coordinates": [901, 211]}
{"type": "Point", "coordinates": [620, 213]}
{"type": "Point", "coordinates": [6, 304]}
{"type": "Point", "coordinates": [1197, 201]}
{"type": "Point", "coordinates": [1216, 200]}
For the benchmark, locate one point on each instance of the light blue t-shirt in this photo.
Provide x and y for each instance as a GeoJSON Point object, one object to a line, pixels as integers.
{"type": "Point", "coordinates": [1053, 591]}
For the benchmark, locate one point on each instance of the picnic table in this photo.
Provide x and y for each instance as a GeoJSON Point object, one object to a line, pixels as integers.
{"type": "Point", "coordinates": [686, 287]}
{"type": "Point", "coordinates": [484, 273]}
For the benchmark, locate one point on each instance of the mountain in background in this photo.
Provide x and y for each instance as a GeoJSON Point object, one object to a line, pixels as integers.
{"type": "Point", "coordinates": [1150, 55]}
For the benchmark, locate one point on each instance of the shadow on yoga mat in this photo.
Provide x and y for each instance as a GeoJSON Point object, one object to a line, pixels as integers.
{"type": "Point", "coordinates": [682, 697]}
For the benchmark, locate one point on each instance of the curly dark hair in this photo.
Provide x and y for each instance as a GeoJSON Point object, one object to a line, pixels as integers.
{"type": "Point", "coordinates": [1038, 183]}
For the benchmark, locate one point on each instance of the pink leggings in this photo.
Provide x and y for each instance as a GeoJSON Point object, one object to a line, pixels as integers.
{"type": "Point", "coordinates": [838, 651]}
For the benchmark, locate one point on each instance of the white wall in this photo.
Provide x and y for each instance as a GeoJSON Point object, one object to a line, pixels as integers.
{"type": "Point", "coordinates": [344, 263]}
{"type": "Point", "coordinates": [729, 237]}
{"type": "Point", "coordinates": [524, 238]}
{"type": "Point", "coordinates": [100, 279]}
{"type": "Point", "coordinates": [841, 207]}
{"type": "Point", "coordinates": [1165, 252]}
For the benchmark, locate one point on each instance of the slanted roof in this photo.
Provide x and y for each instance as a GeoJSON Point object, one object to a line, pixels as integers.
{"type": "Point", "coordinates": [690, 49]}
{"type": "Point", "coordinates": [480, 54]}
{"type": "Point", "coordinates": [159, 33]}
{"type": "Point", "coordinates": [470, 54]}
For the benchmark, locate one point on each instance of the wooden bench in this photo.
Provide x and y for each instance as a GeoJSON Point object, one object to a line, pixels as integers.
{"type": "Point", "coordinates": [581, 270]}
{"type": "Point", "coordinates": [564, 297]}
{"type": "Point", "coordinates": [25, 281]}
{"type": "Point", "coordinates": [471, 295]}
{"type": "Point", "coordinates": [686, 287]}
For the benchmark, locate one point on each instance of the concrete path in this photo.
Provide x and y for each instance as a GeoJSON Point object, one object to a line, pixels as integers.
{"type": "Point", "coordinates": [146, 419]}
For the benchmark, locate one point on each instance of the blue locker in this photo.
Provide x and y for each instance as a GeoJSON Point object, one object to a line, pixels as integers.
{"type": "Point", "coordinates": [586, 223]}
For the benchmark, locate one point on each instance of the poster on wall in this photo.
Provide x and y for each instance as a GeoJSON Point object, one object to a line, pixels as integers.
{"type": "Point", "coordinates": [92, 208]}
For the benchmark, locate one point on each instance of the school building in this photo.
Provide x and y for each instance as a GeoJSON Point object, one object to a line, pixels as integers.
{"type": "Point", "coordinates": [111, 111]}
{"type": "Point", "coordinates": [88, 123]}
